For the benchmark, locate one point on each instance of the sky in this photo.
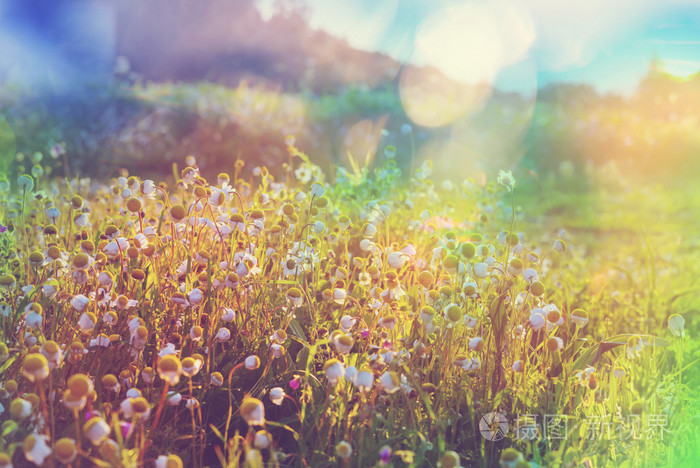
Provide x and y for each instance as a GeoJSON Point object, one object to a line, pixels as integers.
{"type": "Point", "coordinates": [522, 45]}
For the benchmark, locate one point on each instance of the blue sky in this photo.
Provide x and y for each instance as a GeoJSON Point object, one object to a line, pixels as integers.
{"type": "Point", "coordinates": [521, 45]}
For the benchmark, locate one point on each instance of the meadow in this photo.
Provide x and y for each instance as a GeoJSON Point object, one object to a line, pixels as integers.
{"type": "Point", "coordinates": [372, 317]}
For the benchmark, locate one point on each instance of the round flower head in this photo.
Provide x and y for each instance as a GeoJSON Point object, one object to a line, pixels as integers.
{"type": "Point", "coordinates": [364, 380]}
{"type": "Point", "coordinates": [262, 439]}
{"type": "Point", "coordinates": [476, 344]}
{"type": "Point", "coordinates": [343, 450]}
{"type": "Point", "coordinates": [579, 317]}
{"type": "Point", "coordinates": [66, 450]}
{"type": "Point", "coordinates": [449, 459]}
{"type": "Point", "coordinates": [343, 343]}
{"type": "Point", "coordinates": [217, 379]}
{"type": "Point", "coordinates": [252, 362]}
{"type": "Point", "coordinates": [294, 297]}
{"type": "Point", "coordinates": [390, 382]}
{"type": "Point", "coordinates": [510, 458]}
{"type": "Point", "coordinates": [52, 353]}
{"type": "Point", "coordinates": [35, 448]}
{"type": "Point", "coordinates": [169, 461]}
{"type": "Point", "coordinates": [253, 411]}
{"type": "Point", "coordinates": [277, 395]}
{"type": "Point", "coordinates": [96, 430]}
{"type": "Point", "coordinates": [334, 370]}
{"type": "Point", "coordinates": [169, 369]}
{"type": "Point", "coordinates": [35, 367]}
{"type": "Point", "coordinates": [20, 409]}
{"type": "Point", "coordinates": [676, 324]}
{"type": "Point", "coordinates": [191, 366]}
{"type": "Point", "coordinates": [481, 270]}
{"type": "Point", "coordinates": [135, 407]}
{"type": "Point", "coordinates": [537, 319]}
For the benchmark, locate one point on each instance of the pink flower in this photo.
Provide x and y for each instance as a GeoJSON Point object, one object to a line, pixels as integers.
{"type": "Point", "coordinates": [294, 383]}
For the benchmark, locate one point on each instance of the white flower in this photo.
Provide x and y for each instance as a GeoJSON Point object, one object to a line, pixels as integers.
{"type": "Point", "coordinates": [262, 439]}
{"type": "Point", "coordinates": [506, 179]}
{"type": "Point", "coordinates": [347, 322]}
{"type": "Point", "coordinates": [676, 324]}
{"type": "Point", "coordinates": [252, 362]}
{"type": "Point", "coordinates": [79, 302]}
{"type": "Point", "coordinates": [174, 399]}
{"type": "Point", "coordinates": [229, 315]}
{"type": "Point", "coordinates": [389, 381]}
{"type": "Point", "coordinates": [530, 275]}
{"type": "Point", "coordinates": [36, 450]}
{"type": "Point", "coordinates": [317, 190]}
{"type": "Point", "coordinates": [351, 374]}
{"type": "Point", "coordinates": [537, 319]}
{"type": "Point", "coordinates": [481, 270]}
{"type": "Point", "coordinates": [223, 335]}
{"type": "Point", "coordinates": [195, 296]}
{"type": "Point", "coordinates": [339, 296]}
{"type": "Point", "coordinates": [471, 364]}
{"type": "Point", "coordinates": [518, 366]}
{"type": "Point", "coordinates": [476, 344]}
{"type": "Point", "coordinates": [277, 395]}
{"type": "Point", "coordinates": [364, 380]}
{"type": "Point", "coordinates": [96, 430]}
{"type": "Point", "coordinates": [86, 322]}
{"type": "Point", "coordinates": [334, 370]}
{"type": "Point", "coordinates": [395, 260]}
{"type": "Point", "coordinates": [33, 320]}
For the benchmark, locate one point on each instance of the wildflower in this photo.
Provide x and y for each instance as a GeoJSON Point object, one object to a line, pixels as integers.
{"type": "Point", "coordinates": [110, 382]}
{"type": "Point", "coordinates": [35, 367]}
{"type": "Point", "coordinates": [480, 270]}
{"type": "Point", "coordinates": [555, 343]}
{"type": "Point", "coordinates": [35, 448]}
{"type": "Point", "coordinates": [252, 362]}
{"type": "Point", "coordinates": [518, 366]}
{"type": "Point", "coordinates": [191, 365]}
{"type": "Point", "coordinates": [449, 459]}
{"type": "Point", "coordinates": [317, 190]}
{"type": "Point", "coordinates": [385, 454]}
{"type": "Point", "coordinates": [347, 322]}
{"type": "Point", "coordinates": [174, 398]}
{"type": "Point", "coordinates": [66, 450]}
{"type": "Point", "coordinates": [343, 343]}
{"type": "Point", "coordinates": [618, 372]}
{"type": "Point", "coordinates": [389, 381]}
{"type": "Point", "coordinates": [676, 324]}
{"type": "Point", "coordinates": [530, 275]}
{"type": "Point", "coordinates": [253, 411]}
{"type": "Point", "coordinates": [559, 245]}
{"type": "Point", "coordinates": [228, 315]}
{"type": "Point", "coordinates": [96, 430]}
{"type": "Point", "coordinates": [169, 461]}
{"type": "Point", "coordinates": [170, 369]}
{"type": "Point", "coordinates": [196, 333]}
{"type": "Point", "coordinates": [364, 380]}
{"type": "Point", "coordinates": [294, 298]}
{"type": "Point", "coordinates": [262, 439]}
{"type": "Point", "coordinates": [223, 335]}
{"type": "Point", "coordinates": [579, 317]}
{"type": "Point", "coordinates": [52, 353]}
{"type": "Point", "coordinates": [26, 184]}
{"type": "Point", "coordinates": [510, 458]}
{"type": "Point", "coordinates": [139, 406]}
{"type": "Point", "coordinates": [506, 179]}
{"type": "Point", "coordinates": [277, 395]}
{"type": "Point", "coordinates": [20, 409]}
{"type": "Point", "coordinates": [471, 364]}
{"type": "Point", "coordinates": [334, 370]}
{"type": "Point", "coordinates": [192, 403]}
{"type": "Point", "coordinates": [87, 321]}
{"type": "Point", "coordinates": [343, 450]}
{"type": "Point", "coordinates": [280, 336]}
{"type": "Point", "coordinates": [537, 319]}
{"type": "Point", "coordinates": [476, 344]}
